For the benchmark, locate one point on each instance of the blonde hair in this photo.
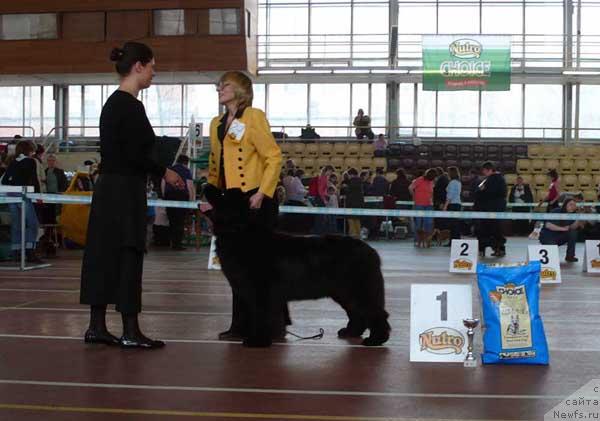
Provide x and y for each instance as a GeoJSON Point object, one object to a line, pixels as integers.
{"type": "Point", "coordinates": [242, 86]}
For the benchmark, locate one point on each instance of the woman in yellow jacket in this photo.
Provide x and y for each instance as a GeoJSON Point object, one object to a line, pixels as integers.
{"type": "Point", "coordinates": [244, 156]}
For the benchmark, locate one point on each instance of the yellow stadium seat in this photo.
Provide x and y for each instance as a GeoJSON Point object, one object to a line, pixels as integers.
{"type": "Point", "coordinates": [566, 166]}
{"type": "Point", "coordinates": [351, 162]}
{"type": "Point", "coordinates": [537, 166]}
{"type": "Point", "coordinates": [311, 150]}
{"type": "Point", "coordinates": [540, 194]}
{"type": "Point", "coordinates": [585, 181]}
{"type": "Point", "coordinates": [337, 162]}
{"type": "Point", "coordinates": [367, 149]}
{"type": "Point", "coordinates": [570, 182]}
{"type": "Point", "coordinates": [325, 149]}
{"type": "Point", "coordinates": [549, 151]}
{"type": "Point", "coordinates": [590, 195]}
{"type": "Point", "coordinates": [308, 165]}
{"type": "Point", "coordinates": [578, 152]}
{"type": "Point", "coordinates": [534, 151]}
{"type": "Point", "coordinates": [380, 163]}
{"type": "Point", "coordinates": [551, 164]}
{"type": "Point", "coordinates": [523, 165]}
{"type": "Point", "coordinates": [298, 149]}
{"type": "Point", "coordinates": [366, 163]}
{"type": "Point", "coordinates": [563, 152]}
{"type": "Point", "coordinates": [527, 178]}
{"type": "Point", "coordinates": [540, 181]}
{"type": "Point", "coordinates": [594, 165]}
{"type": "Point", "coordinates": [581, 166]}
{"type": "Point", "coordinates": [339, 148]}
{"type": "Point", "coordinates": [591, 151]}
{"type": "Point", "coordinates": [286, 148]}
{"type": "Point", "coordinates": [323, 161]}
{"type": "Point", "coordinates": [353, 150]}
{"type": "Point", "coordinates": [596, 178]}
{"type": "Point", "coordinates": [511, 179]}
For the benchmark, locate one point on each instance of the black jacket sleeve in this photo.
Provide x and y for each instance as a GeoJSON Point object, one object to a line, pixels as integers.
{"type": "Point", "coordinates": [141, 139]}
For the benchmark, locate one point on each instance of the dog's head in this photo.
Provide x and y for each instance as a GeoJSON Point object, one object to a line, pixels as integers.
{"type": "Point", "coordinates": [230, 210]}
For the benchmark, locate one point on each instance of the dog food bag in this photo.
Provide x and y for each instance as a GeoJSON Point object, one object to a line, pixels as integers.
{"type": "Point", "coordinates": [513, 329]}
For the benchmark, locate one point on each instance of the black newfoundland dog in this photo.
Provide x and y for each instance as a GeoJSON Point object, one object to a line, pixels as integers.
{"type": "Point", "coordinates": [268, 268]}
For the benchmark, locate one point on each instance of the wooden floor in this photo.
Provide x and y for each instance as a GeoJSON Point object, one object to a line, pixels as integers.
{"type": "Point", "coordinates": [48, 373]}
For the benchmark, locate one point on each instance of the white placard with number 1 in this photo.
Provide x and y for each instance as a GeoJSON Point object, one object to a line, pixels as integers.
{"type": "Point", "coordinates": [437, 333]}
{"type": "Point", "coordinates": [463, 256]}
{"type": "Point", "coordinates": [591, 261]}
{"type": "Point", "coordinates": [548, 257]}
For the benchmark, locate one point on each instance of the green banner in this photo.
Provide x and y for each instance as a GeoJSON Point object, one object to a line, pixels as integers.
{"type": "Point", "coordinates": [466, 62]}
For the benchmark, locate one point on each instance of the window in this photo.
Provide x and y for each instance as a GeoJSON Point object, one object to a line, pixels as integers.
{"type": "Point", "coordinates": [224, 22]}
{"type": "Point", "coordinates": [169, 22]}
{"type": "Point", "coordinates": [202, 103]}
{"type": "Point", "coordinates": [330, 106]}
{"type": "Point", "coordinates": [407, 108]}
{"type": "Point", "coordinates": [164, 109]}
{"type": "Point", "coordinates": [11, 111]}
{"type": "Point", "coordinates": [502, 109]}
{"type": "Point", "coordinates": [28, 26]}
{"type": "Point", "coordinates": [75, 117]}
{"type": "Point", "coordinates": [543, 110]}
{"type": "Point", "coordinates": [92, 107]}
{"type": "Point", "coordinates": [426, 116]}
{"type": "Point", "coordinates": [588, 111]}
{"type": "Point", "coordinates": [287, 107]}
{"type": "Point", "coordinates": [458, 109]}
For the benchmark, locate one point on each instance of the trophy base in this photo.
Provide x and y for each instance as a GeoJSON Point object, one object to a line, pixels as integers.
{"type": "Point", "coordinates": [470, 363]}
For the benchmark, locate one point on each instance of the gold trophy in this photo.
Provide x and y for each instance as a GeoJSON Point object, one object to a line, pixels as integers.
{"type": "Point", "coordinates": [470, 359]}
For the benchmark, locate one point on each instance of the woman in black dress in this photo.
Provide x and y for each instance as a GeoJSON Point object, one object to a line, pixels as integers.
{"type": "Point", "coordinates": [114, 252]}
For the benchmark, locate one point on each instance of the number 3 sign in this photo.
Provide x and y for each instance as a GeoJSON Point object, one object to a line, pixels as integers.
{"type": "Point", "coordinates": [548, 257]}
{"type": "Point", "coordinates": [437, 333]}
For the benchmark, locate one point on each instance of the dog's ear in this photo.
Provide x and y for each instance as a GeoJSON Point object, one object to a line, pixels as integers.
{"type": "Point", "coordinates": [213, 194]}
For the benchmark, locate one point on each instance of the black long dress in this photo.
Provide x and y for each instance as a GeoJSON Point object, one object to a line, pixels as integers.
{"type": "Point", "coordinates": [114, 251]}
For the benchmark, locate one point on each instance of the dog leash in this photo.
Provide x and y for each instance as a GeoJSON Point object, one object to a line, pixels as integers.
{"type": "Point", "coordinates": [317, 336]}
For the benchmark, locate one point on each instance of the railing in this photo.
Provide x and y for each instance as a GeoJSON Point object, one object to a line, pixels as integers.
{"type": "Point", "coordinates": [313, 50]}
{"type": "Point", "coordinates": [10, 128]}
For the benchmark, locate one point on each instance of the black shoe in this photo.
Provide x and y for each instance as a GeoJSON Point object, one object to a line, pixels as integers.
{"type": "Point", "coordinates": [231, 335]}
{"type": "Point", "coordinates": [141, 342]}
{"type": "Point", "coordinates": [571, 259]}
{"type": "Point", "coordinates": [499, 253]}
{"type": "Point", "coordinates": [105, 338]}
{"type": "Point", "coordinates": [178, 248]}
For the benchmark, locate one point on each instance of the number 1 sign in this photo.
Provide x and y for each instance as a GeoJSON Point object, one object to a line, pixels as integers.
{"type": "Point", "coordinates": [437, 333]}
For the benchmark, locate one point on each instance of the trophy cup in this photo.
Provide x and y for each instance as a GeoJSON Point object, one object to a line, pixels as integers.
{"type": "Point", "coordinates": [470, 359]}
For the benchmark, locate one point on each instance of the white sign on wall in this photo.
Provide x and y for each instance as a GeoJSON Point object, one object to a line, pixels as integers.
{"type": "Point", "coordinates": [548, 257]}
{"type": "Point", "coordinates": [463, 256]}
{"type": "Point", "coordinates": [437, 333]}
{"type": "Point", "coordinates": [213, 259]}
{"type": "Point", "coordinates": [592, 256]}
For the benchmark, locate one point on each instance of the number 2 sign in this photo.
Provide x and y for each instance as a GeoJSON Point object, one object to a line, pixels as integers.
{"type": "Point", "coordinates": [463, 256]}
{"type": "Point", "coordinates": [437, 333]}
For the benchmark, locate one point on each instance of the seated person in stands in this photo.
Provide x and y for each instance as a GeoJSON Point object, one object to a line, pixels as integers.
{"type": "Point", "coordinates": [562, 232]}
{"type": "Point", "coordinates": [521, 194]}
{"type": "Point", "coordinates": [380, 144]}
{"type": "Point", "coordinates": [309, 133]}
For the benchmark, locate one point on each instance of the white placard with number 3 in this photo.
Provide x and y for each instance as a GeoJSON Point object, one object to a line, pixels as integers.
{"type": "Point", "coordinates": [548, 257]}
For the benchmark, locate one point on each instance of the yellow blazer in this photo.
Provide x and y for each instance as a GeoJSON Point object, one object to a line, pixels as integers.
{"type": "Point", "coordinates": [254, 161]}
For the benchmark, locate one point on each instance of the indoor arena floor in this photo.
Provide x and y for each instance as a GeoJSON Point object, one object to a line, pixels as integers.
{"type": "Point", "coordinates": [48, 373]}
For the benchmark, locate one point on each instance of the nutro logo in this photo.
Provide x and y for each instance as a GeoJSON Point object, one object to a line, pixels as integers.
{"type": "Point", "coordinates": [466, 48]}
{"type": "Point", "coordinates": [442, 340]}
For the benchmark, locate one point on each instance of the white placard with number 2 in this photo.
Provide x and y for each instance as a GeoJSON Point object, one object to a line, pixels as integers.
{"type": "Point", "coordinates": [463, 256]}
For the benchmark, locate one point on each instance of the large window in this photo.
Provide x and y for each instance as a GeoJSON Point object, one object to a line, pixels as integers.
{"type": "Point", "coordinates": [503, 109]}
{"type": "Point", "coordinates": [164, 109]}
{"type": "Point", "coordinates": [330, 106]}
{"type": "Point", "coordinates": [543, 110]}
{"type": "Point", "coordinates": [28, 26]}
{"type": "Point", "coordinates": [288, 107]}
{"type": "Point", "coordinates": [589, 118]}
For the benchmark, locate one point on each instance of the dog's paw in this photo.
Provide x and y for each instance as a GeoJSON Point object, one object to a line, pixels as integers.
{"type": "Point", "coordinates": [371, 341]}
{"type": "Point", "coordinates": [347, 333]}
{"type": "Point", "coordinates": [257, 342]}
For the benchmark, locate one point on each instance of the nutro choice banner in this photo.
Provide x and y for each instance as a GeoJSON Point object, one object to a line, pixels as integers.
{"type": "Point", "coordinates": [466, 62]}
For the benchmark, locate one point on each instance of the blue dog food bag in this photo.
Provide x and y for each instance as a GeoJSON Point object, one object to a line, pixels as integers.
{"type": "Point", "coordinates": [514, 333]}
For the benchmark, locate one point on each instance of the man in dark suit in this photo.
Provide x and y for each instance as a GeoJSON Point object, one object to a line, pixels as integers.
{"type": "Point", "coordinates": [490, 196]}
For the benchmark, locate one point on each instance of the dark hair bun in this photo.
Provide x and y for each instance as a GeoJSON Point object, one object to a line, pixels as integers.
{"type": "Point", "coordinates": [116, 54]}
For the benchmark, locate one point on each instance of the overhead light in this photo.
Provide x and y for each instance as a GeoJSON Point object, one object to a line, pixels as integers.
{"type": "Point", "coordinates": [390, 71]}
{"type": "Point", "coordinates": [580, 73]}
{"type": "Point", "coordinates": [275, 72]}
{"type": "Point", "coordinates": [351, 71]}
{"type": "Point", "coordinates": [307, 72]}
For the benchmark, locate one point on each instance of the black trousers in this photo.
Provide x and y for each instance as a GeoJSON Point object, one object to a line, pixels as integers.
{"type": "Point", "coordinates": [176, 225]}
{"type": "Point", "coordinates": [455, 224]}
{"type": "Point", "coordinates": [490, 234]}
{"type": "Point", "coordinates": [267, 216]}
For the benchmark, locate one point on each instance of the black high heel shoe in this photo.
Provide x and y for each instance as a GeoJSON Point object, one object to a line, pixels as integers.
{"type": "Point", "coordinates": [92, 337]}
